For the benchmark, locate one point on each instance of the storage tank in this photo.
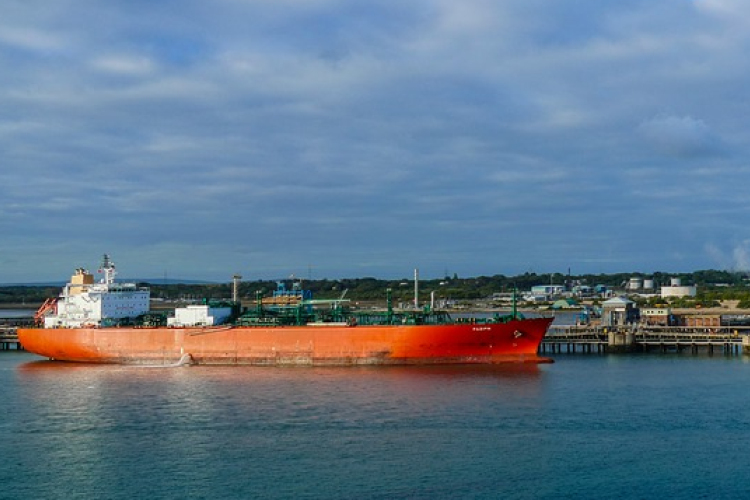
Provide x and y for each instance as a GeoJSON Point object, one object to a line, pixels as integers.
{"type": "Point", "coordinates": [635, 283]}
{"type": "Point", "coordinates": [676, 282]}
{"type": "Point", "coordinates": [648, 284]}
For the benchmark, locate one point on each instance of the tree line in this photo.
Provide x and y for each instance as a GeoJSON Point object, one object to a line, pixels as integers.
{"type": "Point", "coordinates": [712, 286]}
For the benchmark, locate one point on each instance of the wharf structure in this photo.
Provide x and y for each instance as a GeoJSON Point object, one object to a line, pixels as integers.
{"type": "Point", "coordinates": [623, 327]}
{"type": "Point", "coordinates": [662, 339]}
{"type": "Point", "coordinates": [8, 336]}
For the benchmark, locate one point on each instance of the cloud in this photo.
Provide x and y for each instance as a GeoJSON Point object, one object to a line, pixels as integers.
{"type": "Point", "coordinates": [125, 65]}
{"type": "Point", "coordinates": [31, 39]}
{"type": "Point", "coordinates": [732, 10]}
{"type": "Point", "coordinates": [737, 259]}
{"type": "Point", "coordinates": [741, 256]}
{"type": "Point", "coordinates": [682, 137]}
{"type": "Point", "coordinates": [480, 137]}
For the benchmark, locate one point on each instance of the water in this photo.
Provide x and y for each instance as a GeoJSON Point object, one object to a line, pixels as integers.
{"type": "Point", "coordinates": [17, 313]}
{"type": "Point", "coordinates": [588, 426]}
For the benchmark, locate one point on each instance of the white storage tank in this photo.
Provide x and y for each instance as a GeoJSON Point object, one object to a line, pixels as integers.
{"type": "Point", "coordinates": [635, 283]}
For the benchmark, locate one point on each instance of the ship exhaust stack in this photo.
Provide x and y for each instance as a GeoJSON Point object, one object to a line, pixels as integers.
{"type": "Point", "coordinates": [236, 287]}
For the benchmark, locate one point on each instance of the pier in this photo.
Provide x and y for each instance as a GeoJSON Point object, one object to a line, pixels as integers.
{"type": "Point", "coordinates": [8, 337]}
{"type": "Point", "coordinates": [661, 339]}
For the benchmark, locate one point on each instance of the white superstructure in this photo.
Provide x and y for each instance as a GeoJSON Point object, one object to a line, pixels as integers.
{"type": "Point", "coordinates": [86, 303]}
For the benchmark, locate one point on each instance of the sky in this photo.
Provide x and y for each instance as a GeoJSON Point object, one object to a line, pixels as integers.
{"type": "Point", "coordinates": [333, 139]}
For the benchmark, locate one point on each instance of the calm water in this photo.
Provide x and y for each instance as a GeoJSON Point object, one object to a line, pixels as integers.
{"type": "Point", "coordinates": [587, 426]}
{"type": "Point", "coordinates": [17, 313]}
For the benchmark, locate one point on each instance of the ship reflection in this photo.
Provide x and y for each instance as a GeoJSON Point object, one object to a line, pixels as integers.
{"type": "Point", "coordinates": [502, 370]}
{"type": "Point", "coordinates": [53, 367]}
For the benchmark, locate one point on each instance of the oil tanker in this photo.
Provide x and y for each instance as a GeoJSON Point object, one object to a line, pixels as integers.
{"type": "Point", "coordinates": [110, 322]}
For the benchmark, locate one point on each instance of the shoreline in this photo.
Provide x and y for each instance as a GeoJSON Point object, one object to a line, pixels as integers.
{"type": "Point", "coordinates": [730, 311]}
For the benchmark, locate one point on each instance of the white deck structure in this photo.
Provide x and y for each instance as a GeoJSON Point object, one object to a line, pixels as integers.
{"type": "Point", "coordinates": [85, 303]}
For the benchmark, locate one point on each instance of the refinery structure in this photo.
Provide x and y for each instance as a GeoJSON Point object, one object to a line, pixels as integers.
{"type": "Point", "coordinates": [636, 285]}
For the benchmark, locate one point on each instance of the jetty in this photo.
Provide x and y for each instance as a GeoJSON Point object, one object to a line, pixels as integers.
{"type": "Point", "coordinates": [646, 338]}
{"type": "Point", "coordinates": [8, 337]}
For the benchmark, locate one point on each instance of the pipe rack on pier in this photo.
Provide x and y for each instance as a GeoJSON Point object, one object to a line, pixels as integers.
{"type": "Point", "coordinates": [646, 338]}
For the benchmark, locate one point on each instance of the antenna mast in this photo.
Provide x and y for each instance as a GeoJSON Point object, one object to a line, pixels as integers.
{"type": "Point", "coordinates": [108, 268]}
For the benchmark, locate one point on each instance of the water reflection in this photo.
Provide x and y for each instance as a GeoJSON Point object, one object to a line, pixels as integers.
{"type": "Point", "coordinates": [187, 430]}
{"type": "Point", "coordinates": [587, 426]}
{"type": "Point", "coordinates": [503, 370]}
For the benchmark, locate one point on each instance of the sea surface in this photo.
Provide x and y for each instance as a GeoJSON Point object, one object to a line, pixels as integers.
{"type": "Point", "coordinates": [588, 426]}
{"type": "Point", "coordinates": [17, 313]}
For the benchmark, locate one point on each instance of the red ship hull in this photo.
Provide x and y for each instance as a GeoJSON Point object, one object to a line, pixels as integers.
{"type": "Point", "coordinates": [514, 341]}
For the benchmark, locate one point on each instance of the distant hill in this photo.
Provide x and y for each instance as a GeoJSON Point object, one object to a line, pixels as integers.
{"type": "Point", "coordinates": [35, 284]}
{"type": "Point", "coordinates": [712, 286]}
{"type": "Point", "coordinates": [176, 281]}
{"type": "Point", "coordinates": [153, 281]}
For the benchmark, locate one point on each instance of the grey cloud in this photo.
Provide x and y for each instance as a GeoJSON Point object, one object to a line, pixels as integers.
{"type": "Point", "coordinates": [370, 137]}
{"type": "Point", "coordinates": [683, 137]}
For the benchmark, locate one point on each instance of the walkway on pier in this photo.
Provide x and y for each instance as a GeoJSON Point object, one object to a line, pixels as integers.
{"type": "Point", "coordinates": [646, 338]}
